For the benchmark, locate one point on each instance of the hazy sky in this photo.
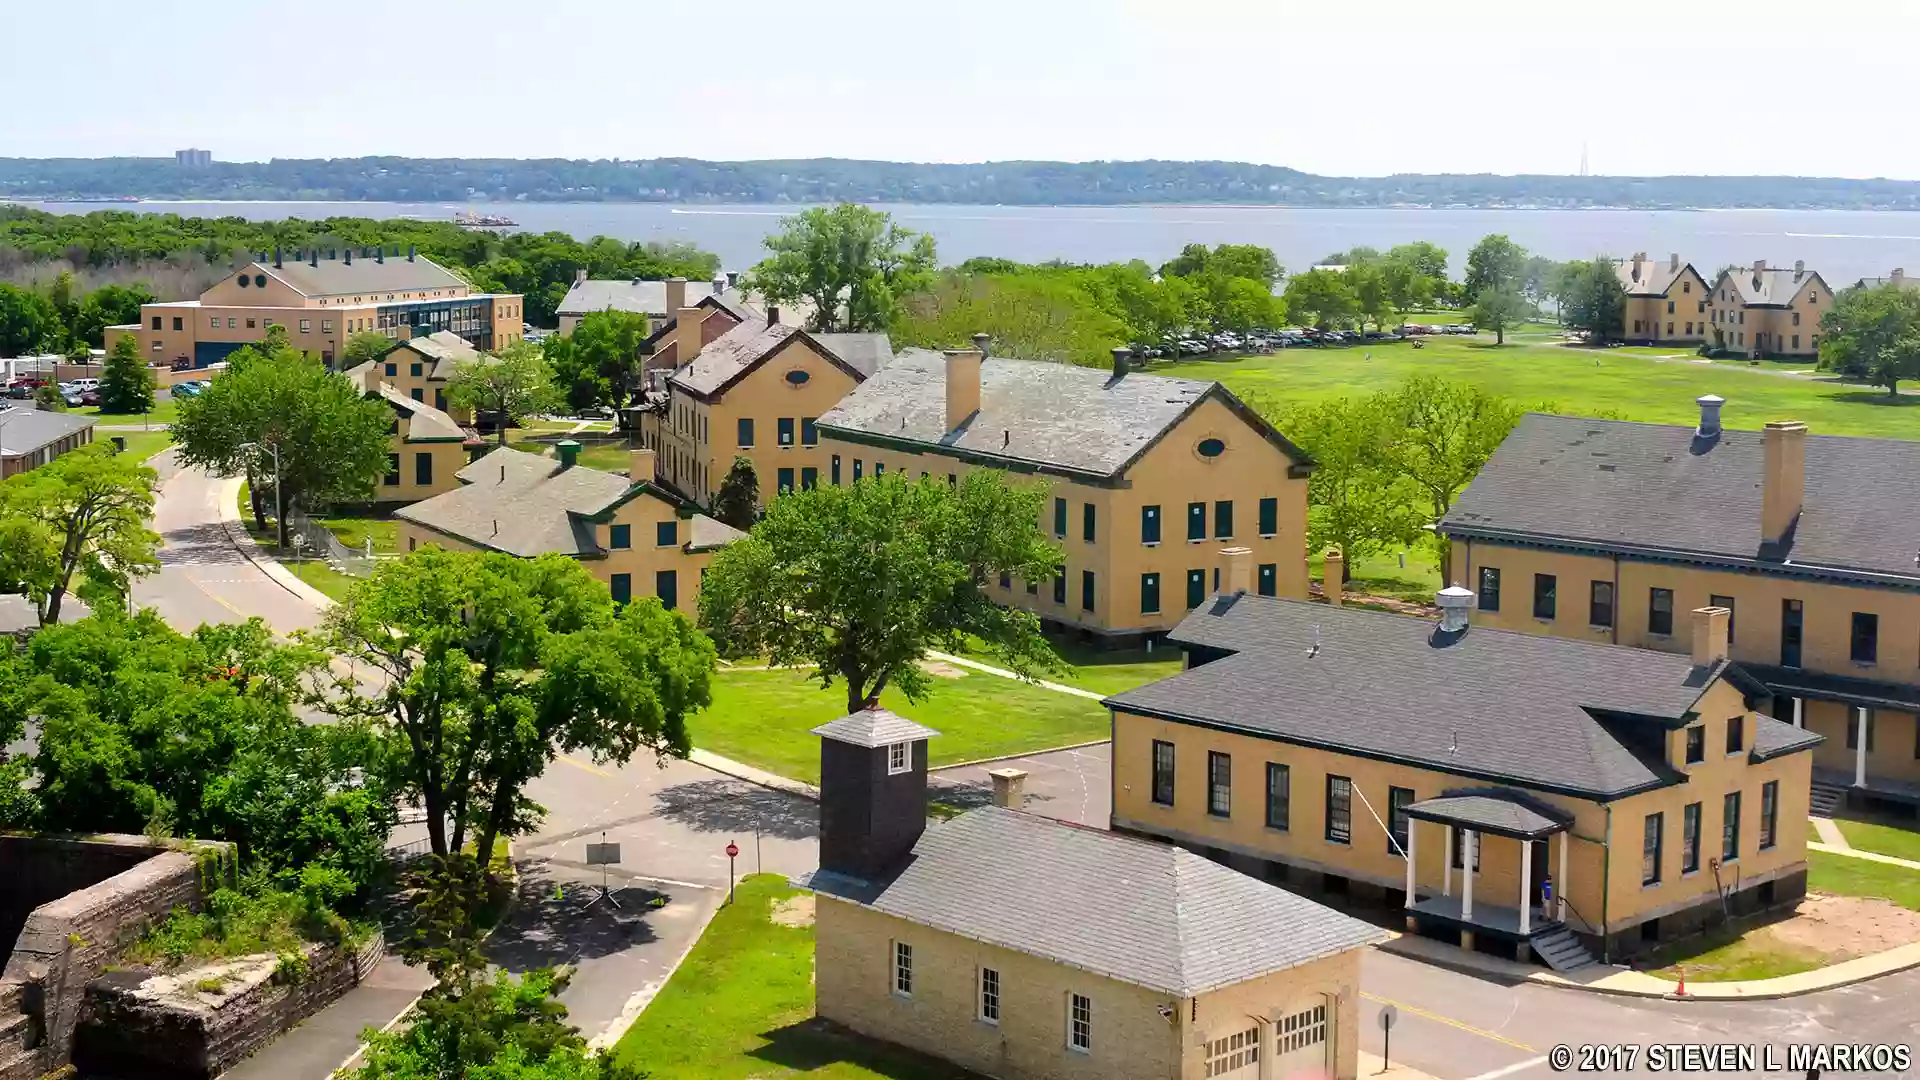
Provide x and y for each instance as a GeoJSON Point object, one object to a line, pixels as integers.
{"type": "Point", "coordinates": [1329, 86]}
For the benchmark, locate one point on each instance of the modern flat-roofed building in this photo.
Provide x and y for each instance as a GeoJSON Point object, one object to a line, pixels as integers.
{"type": "Point", "coordinates": [323, 297]}
{"type": "Point", "coordinates": [29, 437]}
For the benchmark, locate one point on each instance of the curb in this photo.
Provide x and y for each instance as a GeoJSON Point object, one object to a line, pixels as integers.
{"type": "Point", "coordinates": [237, 535]}
{"type": "Point", "coordinates": [1022, 754]}
{"type": "Point", "coordinates": [757, 777]}
{"type": "Point", "coordinates": [610, 1036]}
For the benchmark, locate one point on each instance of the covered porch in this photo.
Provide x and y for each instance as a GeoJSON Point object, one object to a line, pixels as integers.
{"type": "Point", "coordinates": [1536, 909]}
{"type": "Point", "coordinates": [1875, 712]}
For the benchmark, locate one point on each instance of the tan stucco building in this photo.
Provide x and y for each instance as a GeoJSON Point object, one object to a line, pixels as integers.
{"type": "Point", "coordinates": [1522, 794]}
{"type": "Point", "coordinates": [993, 940]}
{"type": "Point", "coordinates": [421, 368]}
{"type": "Point", "coordinates": [1607, 531]}
{"type": "Point", "coordinates": [1769, 311]}
{"type": "Point", "coordinates": [1148, 476]}
{"type": "Point", "coordinates": [632, 534]}
{"type": "Point", "coordinates": [322, 298]}
{"type": "Point", "coordinates": [1666, 302]}
{"type": "Point", "coordinates": [659, 301]}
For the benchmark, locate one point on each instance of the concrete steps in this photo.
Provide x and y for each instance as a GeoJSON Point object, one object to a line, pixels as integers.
{"type": "Point", "coordinates": [1562, 951]}
{"type": "Point", "coordinates": [1826, 799]}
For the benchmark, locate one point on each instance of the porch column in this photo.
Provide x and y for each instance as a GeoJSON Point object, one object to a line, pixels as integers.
{"type": "Point", "coordinates": [1799, 718]}
{"type": "Point", "coordinates": [1526, 887]}
{"type": "Point", "coordinates": [1467, 849]}
{"type": "Point", "coordinates": [1860, 746]}
{"type": "Point", "coordinates": [1446, 864]}
{"type": "Point", "coordinates": [1411, 829]}
{"type": "Point", "coordinates": [1267, 1048]}
{"type": "Point", "coordinates": [1560, 883]}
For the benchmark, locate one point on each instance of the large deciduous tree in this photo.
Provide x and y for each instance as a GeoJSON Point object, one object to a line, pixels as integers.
{"type": "Point", "coordinates": [83, 513]}
{"type": "Point", "coordinates": [493, 666]}
{"type": "Point", "coordinates": [511, 385]}
{"type": "Point", "coordinates": [850, 264]}
{"type": "Point", "coordinates": [738, 501]}
{"type": "Point", "coordinates": [1499, 309]}
{"type": "Point", "coordinates": [1354, 502]}
{"type": "Point", "coordinates": [1442, 432]}
{"type": "Point", "coordinates": [1034, 315]}
{"type": "Point", "coordinates": [28, 322]}
{"type": "Point", "coordinates": [1494, 263]}
{"type": "Point", "coordinates": [859, 582]}
{"type": "Point", "coordinates": [1321, 298]}
{"type": "Point", "coordinates": [600, 362]}
{"type": "Point", "coordinates": [364, 346]}
{"type": "Point", "coordinates": [109, 305]}
{"type": "Point", "coordinates": [332, 440]}
{"type": "Point", "coordinates": [126, 386]}
{"type": "Point", "coordinates": [1873, 334]}
{"type": "Point", "coordinates": [1592, 299]}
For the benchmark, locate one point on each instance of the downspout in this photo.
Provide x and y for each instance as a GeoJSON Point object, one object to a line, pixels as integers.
{"type": "Point", "coordinates": [1615, 628]}
{"type": "Point", "coordinates": [1606, 879]}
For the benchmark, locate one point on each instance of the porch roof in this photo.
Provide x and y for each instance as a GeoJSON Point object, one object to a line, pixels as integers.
{"type": "Point", "coordinates": [1503, 813]}
{"type": "Point", "coordinates": [1850, 689]}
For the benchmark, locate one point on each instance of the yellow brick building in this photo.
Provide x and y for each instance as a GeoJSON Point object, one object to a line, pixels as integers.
{"type": "Point", "coordinates": [1769, 311]}
{"type": "Point", "coordinates": [1602, 530]}
{"type": "Point", "coordinates": [1525, 794]}
{"type": "Point", "coordinates": [1148, 476]}
{"type": "Point", "coordinates": [1666, 302]}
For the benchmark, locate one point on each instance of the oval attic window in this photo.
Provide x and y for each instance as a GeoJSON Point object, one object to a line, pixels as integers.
{"type": "Point", "coordinates": [1211, 448]}
{"type": "Point", "coordinates": [796, 377]}
{"type": "Point", "coordinates": [259, 281]}
{"type": "Point", "coordinates": [245, 281]}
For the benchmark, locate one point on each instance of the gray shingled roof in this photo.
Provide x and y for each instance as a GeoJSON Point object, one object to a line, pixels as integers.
{"type": "Point", "coordinates": [24, 429]}
{"type": "Point", "coordinates": [1772, 738]}
{"type": "Point", "coordinates": [445, 348]}
{"type": "Point", "coordinates": [1509, 813]}
{"type": "Point", "coordinates": [730, 354]}
{"type": "Point", "coordinates": [1771, 287]}
{"type": "Point", "coordinates": [522, 504]}
{"type": "Point", "coordinates": [1656, 487]}
{"type": "Point", "coordinates": [640, 297]}
{"type": "Point", "coordinates": [865, 353]}
{"type": "Point", "coordinates": [874, 727]}
{"type": "Point", "coordinates": [335, 277]}
{"type": "Point", "coordinates": [1139, 912]}
{"type": "Point", "coordinates": [1490, 704]}
{"type": "Point", "coordinates": [1656, 276]}
{"type": "Point", "coordinates": [710, 533]}
{"type": "Point", "coordinates": [424, 421]}
{"type": "Point", "coordinates": [1078, 419]}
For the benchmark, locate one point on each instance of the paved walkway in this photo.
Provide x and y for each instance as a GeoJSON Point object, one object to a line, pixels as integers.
{"type": "Point", "coordinates": [1830, 834]}
{"type": "Point", "coordinates": [1856, 853]}
{"type": "Point", "coordinates": [1005, 674]}
{"type": "Point", "coordinates": [326, 1040]}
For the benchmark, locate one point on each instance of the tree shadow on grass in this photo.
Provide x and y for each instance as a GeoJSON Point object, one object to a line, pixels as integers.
{"type": "Point", "coordinates": [1877, 397]}
{"type": "Point", "coordinates": [817, 1044]}
{"type": "Point", "coordinates": [730, 806]}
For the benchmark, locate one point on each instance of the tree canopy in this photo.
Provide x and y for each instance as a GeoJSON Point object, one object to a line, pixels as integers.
{"type": "Point", "coordinates": [1321, 298]}
{"type": "Point", "coordinates": [1355, 501]}
{"type": "Point", "coordinates": [126, 385]}
{"type": "Point", "coordinates": [1592, 299]}
{"type": "Point", "coordinates": [1495, 263]}
{"type": "Point", "coordinates": [363, 346]}
{"type": "Point", "coordinates": [1249, 261]}
{"type": "Point", "coordinates": [859, 582]}
{"type": "Point", "coordinates": [82, 514]}
{"type": "Point", "coordinates": [600, 362]}
{"type": "Point", "coordinates": [1498, 309]}
{"type": "Point", "coordinates": [850, 265]}
{"type": "Point", "coordinates": [510, 385]}
{"type": "Point", "coordinates": [1873, 334]}
{"type": "Point", "coordinates": [1031, 314]}
{"type": "Point", "coordinates": [737, 503]}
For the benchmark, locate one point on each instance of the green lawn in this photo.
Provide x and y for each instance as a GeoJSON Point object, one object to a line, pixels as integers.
{"type": "Point", "coordinates": [763, 718]}
{"type": "Point", "coordinates": [1843, 875]}
{"type": "Point", "coordinates": [1575, 380]}
{"type": "Point", "coordinates": [165, 410]}
{"type": "Point", "coordinates": [1726, 955]}
{"type": "Point", "coordinates": [314, 572]}
{"type": "Point", "coordinates": [141, 444]}
{"type": "Point", "coordinates": [614, 456]}
{"type": "Point", "coordinates": [1382, 575]}
{"type": "Point", "coordinates": [1104, 671]}
{"type": "Point", "coordinates": [740, 1007]}
{"type": "Point", "coordinates": [355, 530]}
{"type": "Point", "coordinates": [1882, 839]}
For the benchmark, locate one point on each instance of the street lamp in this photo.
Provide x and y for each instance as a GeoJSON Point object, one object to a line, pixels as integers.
{"type": "Point", "coordinates": [279, 512]}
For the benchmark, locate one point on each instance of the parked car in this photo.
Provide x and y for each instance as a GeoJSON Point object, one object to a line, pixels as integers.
{"type": "Point", "coordinates": [188, 388]}
{"type": "Point", "coordinates": [86, 384]}
{"type": "Point", "coordinates": [90, 395]}
{"type": "Point", "coordinates": [1190, 347]}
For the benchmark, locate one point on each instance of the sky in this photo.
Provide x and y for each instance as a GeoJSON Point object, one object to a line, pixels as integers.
{"type": "Point", "coordinates": [1338, 87]}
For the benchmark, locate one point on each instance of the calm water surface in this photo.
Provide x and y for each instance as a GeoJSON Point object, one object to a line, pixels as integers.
{"type": "Point", "coordinates": [1842, 245]}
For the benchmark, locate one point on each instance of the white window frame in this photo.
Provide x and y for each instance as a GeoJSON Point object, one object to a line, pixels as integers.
{"type": "Point", "coordinates": [1079, 1032]}
{"type": "Point", "coordinates": [989, 1010]}
{"type": "Point", "coordinates": [902, 969]}
{"type": "Point", "coordinates": [899, 758]}
{"type": "Point", "coordinates": [1232, 1053]}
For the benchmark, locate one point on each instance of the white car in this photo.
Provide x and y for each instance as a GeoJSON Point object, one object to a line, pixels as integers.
{"type": "Point", "coordinates": [85, 384]}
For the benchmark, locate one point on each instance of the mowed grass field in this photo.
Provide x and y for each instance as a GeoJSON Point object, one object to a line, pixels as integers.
{"type": "Point", "coordinates": [1636, 384]}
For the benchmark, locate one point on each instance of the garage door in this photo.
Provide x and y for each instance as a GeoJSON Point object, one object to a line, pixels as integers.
{"type": "Point", "coordinates": [1300, 1044]}
{"type": "Point", "coordinates": [1237, 1056]}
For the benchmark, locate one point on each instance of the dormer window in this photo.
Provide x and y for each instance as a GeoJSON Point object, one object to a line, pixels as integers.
{"type": "Point", "coordinates": [899, 758]}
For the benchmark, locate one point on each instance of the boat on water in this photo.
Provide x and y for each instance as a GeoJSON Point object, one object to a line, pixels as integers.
{"type": "Point", "coordinates": [470, 220]}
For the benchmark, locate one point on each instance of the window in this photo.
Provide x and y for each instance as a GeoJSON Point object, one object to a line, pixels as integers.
{"type": "Point", "coordinates": [214, 322]}
{"type": "Point", "coordinates": [1163, 772]}
{"type": "Point", "coordinates": [1149, 594]}
{"type": "Point", "coordinates": [1489, 588]}
{"type": "Point", "coordinates": [1086, 590]}
{"type": "Point", "coordinates": [903, 969]}
{"type": "Point", "coordinates": [393, 471]}
{"type": "Point", "coordinates": [1650, 850]}
{"type": "Point", "coordinates": [1865, 647]}
{"type": "Point", "coordinates": [440, 400]}
{"type": "Point", "coordinates": [1033, 588]}
{"type": "Point", "coordinates": [1223, 519]}
{"type": "Point", "coordinates": [414, 370]}
{"type": "Point", "coordinates": [1796, 322]}
{"type": "Point", "coordinates": [666, 586]}
{"type": "Point", "coordinates": [1080, 1023]}
{"type": "Point", "coordinates": [1791, 616]}
{"type": "Point", "coordinates": [620, 536]}
{"type": "Point", "coordinates": [1462, 839]}
{"type": "Point", "coordinates": [180, 324]}
{"type": "Point", "coordinates": [1769, 812]}
{"type": "Point", "coordinates": [423, 469]}
{"type": "Point", "coordinates": [1060, 518]}
{"type": "Point", "coordinates": [1279, 796]}
{"type": "Point", "coordinates": [1690, 838]}
{"type": "Point", "coordinates": [1725, 602]}
{"type": "Point", "coordinates": [1087, 513]}
{"type": "Point", "coordinates": [809, 478]}
{"type": "Point", "coordinates": [899, 758]}
{"type": "Point", "coordinates": [1196, 521]}
{"type": "Point", "coordinates": [783, 431]}
{"type": "Point", "coordinates": [1059, 584]}
{"type": "Point", "coordinates": [1669, 307]}
{"type": "Point", "coordinates": [1219, 784]}
{"type": "Point", "coordinates": [1398, 799]}
{"type": "Point", "coordinates": [1730, 828]}
{"type": "Point", "coordinates": [1006, 580]}
{"type": "Point", "coordinates": [989, 995]}
{"type": "Point", "coordinates": [1660, 612]}
{"type": "Point", "coordinates": [783, 481]}
{"type": "Point", "coordinates": [233, 322]}
{"type": "Point", "coordinates": [666, 533]}
{"type": "Point", "coordinates": [1736, 734]}
{"type": "Point", "coordinates": [1227, 1056]}
{"type": "Point", "coordinates": [1600, 603]}
{"type": "Point", "coordinates": [1269, 516]}
{"type": "Point", "coordinates": [622, 586]}
{"type": "Point", "coordinates": [1544, 588]}
{"type": "Point", "coordinates": [809, 434]}
{"type": "Point", "coordinates": [745, 437]}
{"type": "Point", "coordinates": [1339, 810]}
{"type": "Point", "coordinates": [1669, 325]}
{"type": "Point", "coordinates": [1149, 524]}
{"type": "Point", "coordinates": [1268, 579]}
{"type": "Point", "coordinates": [1696, 744]}
{"type": "Point", "coordinates": [156, 322]}
{"type": "Point", "coordinates": [419, 394]}
{"type": "Point", "coordinates": [1196, 588]}
{"type": "Point", "coordinates": [1686, 286]}
{"type": "Point", "coordinates": [1796, 337]}
{"type": "Point", "coordinates": [326, 326]}
{"type": "Point", "coordinates": [835, 474]}
{"type": "Point", "coordinates": [250, 324]}
{"type": "Point", "coordinates": [392, 370]}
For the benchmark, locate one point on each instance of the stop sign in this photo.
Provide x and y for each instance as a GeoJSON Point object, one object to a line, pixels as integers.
{"type": "Point", "coordinates": [732, 850]}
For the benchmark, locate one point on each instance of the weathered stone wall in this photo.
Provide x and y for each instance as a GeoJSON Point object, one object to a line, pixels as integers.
{"type": "Point", "coordinates": [37, 868]}
{"type": "Point", "coordinates": [170, 1028]}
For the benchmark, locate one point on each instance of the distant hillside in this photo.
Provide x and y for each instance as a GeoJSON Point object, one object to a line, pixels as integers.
{"type": "Point", "coordinates": [397, 179]}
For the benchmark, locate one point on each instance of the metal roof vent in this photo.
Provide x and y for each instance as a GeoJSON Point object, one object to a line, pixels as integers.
{"type": "Point", "coordinates": [1709, 414]}
{"type": "Point", "coordinates": [1455, 602]}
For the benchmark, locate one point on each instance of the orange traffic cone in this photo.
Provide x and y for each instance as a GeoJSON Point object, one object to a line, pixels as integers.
{"type": "Point", "coordinates": [1681, 990]}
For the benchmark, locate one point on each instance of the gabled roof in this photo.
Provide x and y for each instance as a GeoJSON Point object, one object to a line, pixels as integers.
{"type": "Point", "coordinates": [729, 357]}
{"type": "Point", "coordinates": [522, 504]}
{"type": "Point", "coordinates": [1612, 485]}
{"type": "Point", "coordinates": [1077, 420]}
{"type": "Point", "coordinates": [1537, 712]}
{"type": "Point", "coordinates": [1656, 276]}
{"type": "Point", "coordinates": [424, 422]}
{"type": "Point", "coordinates": [1769, 287]}
{"type": "Point", "coordinates": [24, 429]}
{"type": "Point", "coordinates": [874, 727]}
{"type": "Point", "coordinates": [639, 297]}
{"type": "Point", "coordinates": [364, 275]}
{"type": "Point", "coordinates": [1131, 910]}
{"type": "Point", "coordinates": [444, 347]}
{"type": "Point", "coordinates": [1497, 810]}
{"type": "Point", "coordinates": [865, 353]}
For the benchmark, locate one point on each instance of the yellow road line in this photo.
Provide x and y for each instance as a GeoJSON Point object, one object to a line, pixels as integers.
{"type": "Point", "coordinates": [594, 769]}
{"type": "Point", "coordinates": [1448, 1020]}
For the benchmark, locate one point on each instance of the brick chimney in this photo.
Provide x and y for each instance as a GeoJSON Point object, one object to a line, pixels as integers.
{"type": "Point", "coordinates": [963, 385]}
{"type": "Point", "coordinates": [1673, 263]}
{"type": "Point", "coordinates": [1784, 480]}
{"type": "Point", "coordinates": [1009, 788]}
{"type": "Point", "coordinates": [1710, 635]}
{"type": "Point", "coordinates": [1799, 269]}
{"type": "Point", "coordinates": [1639, 260]}
{"type": "Point", "coordinates": [1237, 562]}
{"type": "Point", "coordinates": [686, 330]}
{"type": "Point", "coordinates": [676, 295]}
{"type": "Point", "coordinates": [1333, 583]}
{"type": "Point", "coordinates": [641, 467]}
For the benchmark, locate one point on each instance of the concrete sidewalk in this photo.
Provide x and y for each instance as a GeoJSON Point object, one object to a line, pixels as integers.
{"type": "Point", "coordinates": [328, 1038]}
{"type": "Point", "coordinates": [268, 564]}
{"type": "Point", "coordinates": [1855, 853]}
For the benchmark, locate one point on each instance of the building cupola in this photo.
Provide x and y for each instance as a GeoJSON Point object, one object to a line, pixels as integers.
{"type": "Point", "coordinates": [873, 791]}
